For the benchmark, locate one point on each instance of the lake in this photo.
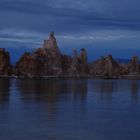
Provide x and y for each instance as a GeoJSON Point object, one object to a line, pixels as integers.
{"type": "Point", "coordinates": [69, 109]}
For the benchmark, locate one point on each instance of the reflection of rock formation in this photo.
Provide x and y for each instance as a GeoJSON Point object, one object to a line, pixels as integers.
{"type": "Point", "coordinates": [45, 91]}
{"type": "Point", "coordinates": [134, 90]}
{"type": "Point", "coordinates": [52, 92]}
{"type": "Point", "coordinates": [105, 88]}
{"type": "Point", "coordinates": [79, 89]}
{"type": "Point", "coordinates": [4, 90]}
{"type": "Point", "coordinates": [41, 90]}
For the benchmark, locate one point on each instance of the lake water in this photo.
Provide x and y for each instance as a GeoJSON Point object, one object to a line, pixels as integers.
{"type": "Point", "coordinates": [69, 109]}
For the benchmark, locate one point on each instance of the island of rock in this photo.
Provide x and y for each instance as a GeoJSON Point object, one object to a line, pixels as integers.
{"type": "Point", "coordinates": [48, 61]}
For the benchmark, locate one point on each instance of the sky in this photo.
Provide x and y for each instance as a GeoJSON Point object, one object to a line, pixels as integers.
{"type": "Point", "coordinates": [101, 26]}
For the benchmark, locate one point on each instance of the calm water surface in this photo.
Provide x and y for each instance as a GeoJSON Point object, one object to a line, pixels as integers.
{"type": "Point", "coordinates": [69, 109]}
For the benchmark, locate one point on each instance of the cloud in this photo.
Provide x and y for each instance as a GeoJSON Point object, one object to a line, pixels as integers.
{"type": "Point", "coordinates": [109, 9]}
{"type": "Point", "coordinates": [120, 10]}
{"type": "Point", "coordinates": [101, 26]}
{"type": "Point", "coordinates": [21, 36]}
{"type": "Point", "coordinates": [99, 36]}
{"type": "Point", "coordinates": [69, 17]}
{"type": "Point", "coordinates": [75, 22]}
{"type": "Point", "coordinates": [35, 39]}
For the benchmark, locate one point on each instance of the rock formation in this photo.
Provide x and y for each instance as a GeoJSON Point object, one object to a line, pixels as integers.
{"type": "Point", "coordinates": [51, 45]}
{"type": "Point", "coordinates": [5, 67]}
{"type": "Point", "coordinates": [134, 65]}
{"type": "Point", "coordinates": [66, 65]}
{"type": "Point", "coordinates": [48, 61]}
{"type": "Point", "coordinates": [45, 61]}
{"type": "Point", "coordinates": [83, 56]}
{"type": "Point", "coordinates": [107, 67]}
{"type": "Point", "coordinates": [51, 57]}
{"type": "Point", "coordinates": [79, 65]}
{"type": "Point", "coordinates": [27, 65]}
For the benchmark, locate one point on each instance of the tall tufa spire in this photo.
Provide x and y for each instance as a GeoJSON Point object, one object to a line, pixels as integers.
{"type": "Point", "coordinates": [51, 43]}
{"type": "Point", "coordinates": [51, 35]}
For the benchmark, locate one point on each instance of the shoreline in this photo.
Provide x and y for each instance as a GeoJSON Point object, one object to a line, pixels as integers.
{"type": "Point", "coordinates": [122, 77]}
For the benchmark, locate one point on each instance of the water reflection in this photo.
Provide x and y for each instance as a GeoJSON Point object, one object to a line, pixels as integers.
{"type": "Point", "coordinates": [103, 88]}
{"type": "Point", "coordinates": [69, 109]}
{"type": "Point", "coordinates": [52, 90]}
{"type": "Point", "coordinates": [4, 90]}
{"type": "Point", "coordinates": [106, 89]}
{"type": "Point", "coordinates": [79, 89]}
{"type": "Point", "coordinates": [134, 90]}
{"type": "Point", "coordinates": [109, 88]}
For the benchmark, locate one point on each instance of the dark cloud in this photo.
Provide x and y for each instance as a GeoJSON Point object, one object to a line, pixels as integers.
{"type": "Point", "coordinates": [70, 16]}
{"type": "Point", "coordinates": [78, 22]}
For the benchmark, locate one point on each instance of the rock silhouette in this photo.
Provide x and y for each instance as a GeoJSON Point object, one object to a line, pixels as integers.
{"type": "Point", "coordinates": [134, 65]}
{"type": "Point", "coordinates": [108, 67]}
{"type": "Point", "coordinates": [48, 61]}
{"type": "Point", "coordinates": [44, 61]}
{"type": "Point", "coordinates": [5, 67]}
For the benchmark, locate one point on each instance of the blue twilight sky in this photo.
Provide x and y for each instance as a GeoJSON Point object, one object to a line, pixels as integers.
{"type": "Point", "coordinates": [101, 26]}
